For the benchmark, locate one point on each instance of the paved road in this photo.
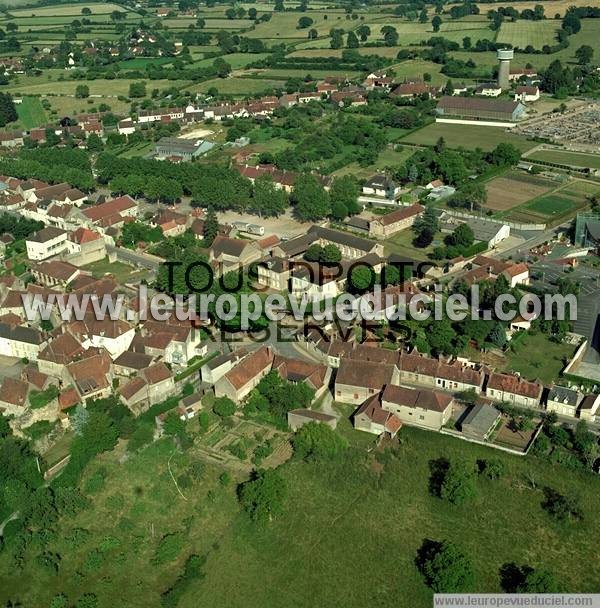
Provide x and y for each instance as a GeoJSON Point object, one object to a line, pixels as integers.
{"type": "Point", "coordinates": [145, 260]}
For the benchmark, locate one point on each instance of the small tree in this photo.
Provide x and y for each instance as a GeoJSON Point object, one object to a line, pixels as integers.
{"type": "Point", "coordinates": [224, 407]}
{"type": "Point", "coordinates": [262, 497]}
{"type": "Point", "coordinates": [211, 227]}
{"type": "Point", "coordinates": [436, 23]}
{"type": "Point", "coordinates": [82, 91]}
{"type": "Point", "coordinates": [561, 507]}
{"type": "Point", "coordinates": [445, 567]}
{"type": "Point", "coordinates": [316, 441]}
{"type": "Point", "coordinates": [491, 468]}
{"type": "Point", "coordinates": [458, 483]}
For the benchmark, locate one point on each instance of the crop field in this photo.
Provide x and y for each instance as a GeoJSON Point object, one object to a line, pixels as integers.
{"type": "Point", "coordinates": [573, 159]}
{"type": "Point", "coordinates": [523, 33]}
{"type": "Point", "coordinates": [103, 8]}
{"type": "Point", "coordinates": [102, 88]}
{"type": "Point", "coordinates": [236, 86]}
{"type": "Point", "coordinates": [467, 136]}
{"type": "Point", "coordinates": [552, 208]}
{"type": "Point", "coordinates": [284, 25]}
{"type": "Point", "coordinates": [235, 60]}
{"type": "Point", "coordinates": [552, 7]}
{"type": "Point", "coordinates": [31, 113]}
{"type": "Point", "coordinates": [512, 190]}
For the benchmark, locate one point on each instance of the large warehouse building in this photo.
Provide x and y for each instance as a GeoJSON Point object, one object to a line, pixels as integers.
{"type": "Point", "coordinates": [475, 108]}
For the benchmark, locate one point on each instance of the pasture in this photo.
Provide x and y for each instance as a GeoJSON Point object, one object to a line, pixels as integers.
{"type": "Point", "coordinates": [514, 189]}
{"type": "Point", "coordinates": [101, 8]}
{"type": "Point", "coordinates": [523, 33]}
{"type": "Point", "coordinates": [466, 136]}
{"type": "Point", "coordinates": [31, 113]}
{"type": "Point", "coordinates": [332, 514]}
{"type": "Point", "coordinates": [285, 25]}
{"type": "Point", "coordinates": [236, 86]}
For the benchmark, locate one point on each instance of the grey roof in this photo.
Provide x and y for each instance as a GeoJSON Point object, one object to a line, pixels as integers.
{"type": "Point", "coordinates": [133, 360]}
{"type": "Point", "coordinates": [297, 245]}
{"type": "Point", "coordinates": [380, 181]}
{"type": "Point", "coordinates": [313, 415]}
{"type": "Point", "coordinates": [483, 230]}
{"type": "Point", "coordinates": [21, 334]}
{"type": "Point", "coordinates": [221, 359]}
{"type": "Point", "coordinates": [185, 146]}
{"type": "Point", "coordinates": [45, 234]}
{"type": "Point", "coordinates": [480, 419]}
{"type": "Point", "coordinates": [568, 396]}
{"type": "Point", "coordinates": [343, 238]}
{"type": "Point", "coordinates": [477, 103]}
{"type": "Point", "coordinates": [191, 399]}
{"type": "Point", "coordinates": [593, 228]}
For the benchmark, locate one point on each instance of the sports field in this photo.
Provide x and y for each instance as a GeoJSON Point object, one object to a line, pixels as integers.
{"type": "Point", "coordinates": [573, 159]}
{"type": "Point", "coordinates": [467, 136]}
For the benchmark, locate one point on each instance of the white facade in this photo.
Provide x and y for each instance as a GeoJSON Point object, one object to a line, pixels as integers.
{"type": "Point", "coordinates": [44, 250]}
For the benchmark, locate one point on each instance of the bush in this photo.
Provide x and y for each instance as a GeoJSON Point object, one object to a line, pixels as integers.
{"type": "Point", "coordinates": [169, 548]}
{"type": "Point", "coordinates": [445, 567]}
{"type": "Point", "coordinates": [458, 483]}
{"type": "Point", "coordinates": [491, 468]}
{"type": "Point", "coordinates": [316, 441]}
{"type": "Point", "coordinates": [224, 407]}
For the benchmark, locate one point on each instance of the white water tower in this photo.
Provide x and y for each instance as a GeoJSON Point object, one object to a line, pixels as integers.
{"type": "Point", "coordinates": [504, 58]}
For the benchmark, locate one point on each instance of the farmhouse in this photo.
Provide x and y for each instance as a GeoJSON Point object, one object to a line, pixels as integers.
{"type": "Point", "coordinates": [381, 185]}
{"type": "Point", "coordinates": [244, 376]}
{"type": "Point", "coordinates": [514, 389]}
{"type": "Point", "coordinates": [390, 223]}
{"type": "Point", "coordinates": [527, 93]}
{"type": "Point", "coordinates": [356, 381]}
{"type": "Point", "coordinates": [564, 401]}
{"type": "Point", "coordinates": [418, 407]}
{"type": "Point", "coordinates": [372, 418]}
{"type": "Point", "coordinates": [480, 109]}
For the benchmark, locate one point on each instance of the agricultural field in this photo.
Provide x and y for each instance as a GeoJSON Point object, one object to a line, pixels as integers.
{"type": "Point", "coordinates": [551, 7]}
{"type": "Point", "coordinates": [236, 86]}
{"type": "Point", "coordinates": [552, 208]}
{"type": "Point", "coordinates": [235, 60]}
{"type": "Point", "coordinates": [466, 136]}
{"type": "Point", "coordinates": [564, 157]}
{"type": "Point", "coordinates": [520, 34]}
{"type": "Point", "coordinates": [285, 26]}
{"type": "Point", "coordinates": [514, 189]}
{"type": "Point", "coordinates": [103, 8]}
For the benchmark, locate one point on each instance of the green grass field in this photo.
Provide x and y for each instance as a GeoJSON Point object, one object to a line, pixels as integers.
{"type": "Point", "coordinates": [235, 60]}
{"type": "Point", "coordinates": [467, 136]}
{"type": "Point", "coordinates": [348, 535]}
{"type": "Point", "coordinates": [522, 33]}
{"type": "Point", "coordinates": [550, 205]}
{"type": "Point", "coordinates": [236, 86]}
{"type": "Point", "coordinates": [31, 113]}
{"type": "Point", "coordinates": [102, 8]}
{"type": "Point", "coordinates": [574, 159]}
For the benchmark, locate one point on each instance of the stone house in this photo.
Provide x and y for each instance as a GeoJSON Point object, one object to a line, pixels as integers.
{"type": "Point", "coordinates": [418, 407]}
{"type": "Point", "coordinates": [356, 380]}
{"type": "Point", "coordinates": [244, 376]}
{"type": "Point", "coordinates": [386, 225]}
{"type": "Point", "coordinates": [372, 418]}
{"type": "Point", "coordinates": [514, 389]}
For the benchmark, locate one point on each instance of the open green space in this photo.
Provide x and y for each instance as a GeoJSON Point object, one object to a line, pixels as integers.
{"type": "Point", "coordinates": [466, 136]}
{"type": "Point", "coordinates": [551, 205]}
{"type": "Point", "coordinates": [97, 8]}
{"type": "Point", "coordinates": [31, 113]}
{"type": "Point", "coordinates": [367, 519]}
{"type": "Point", "coordinates": [573, 159]}
{"type": "Point", "coordinates": [402, 244]}
{"type": "Point", "coordinates": [236, 86]}
{"type": "Point", "coordinates": [537, 356]}
{"type": "Point", "coordinates": [522, 33]}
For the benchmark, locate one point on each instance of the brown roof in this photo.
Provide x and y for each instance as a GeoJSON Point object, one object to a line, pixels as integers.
{"type": "Point", "coordinates": [63, 349]}
{"type": "Point", "coordinates": [249, 367]}
{"type": "Point", "coordinates": [477, 103]}
{"type": "Point", "coordinates": [14, 391]}
{"type": "Point", "coordinates": [156, 373]}
{"type": "Point", "coordinates": [298, 370]}
{"type": "Point", "coordinates": [133, 360]}
{"type": "Point", "coordinates": [90, 375]}
{"type": "Point", "coordinates": [415, 398]}
{"type": "Point", "coordinates": [223, 245]}
{"type": "Point", "coordinates": [32, 375]}
{"type": "Point", "coordinates": [83, 235]}
{"type": "Point", "coordinates": [516, 269]}
{"type": "Point", "coordinates": [68, 398]}
{"type": "Point", "coordinates": [399, 215]}
{"type": "Point", "coordinates": [364, 374]}
{"type": "Point", "coordinates": [373, 410]}
{"type": "Point", "coordinates": [110, 208]}
{"type": "Point", "coordinates": [127, 391]}
{"type": "Point", "coordinates": [61, 271]}
{"type": "Point", "coordinates": [510, 383]}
